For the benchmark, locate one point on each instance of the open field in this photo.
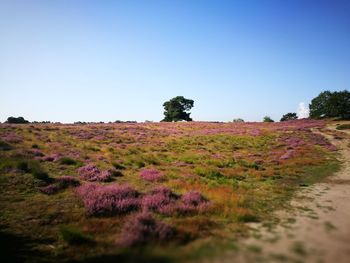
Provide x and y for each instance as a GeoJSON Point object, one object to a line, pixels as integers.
{"type": "Point", "coordinates": [149, 192]}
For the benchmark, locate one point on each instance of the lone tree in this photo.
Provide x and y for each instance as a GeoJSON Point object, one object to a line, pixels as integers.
{"type": "Point", "coordinates": [268, 119]}
{"type": "Point", "coordinates": [289, 116]}
{"type": "Point", "coordinates": [16, 120]}
{"type": "Point", "coordinates": [177, 109]}
{"type": "Point", "coordinates": [331, 105]}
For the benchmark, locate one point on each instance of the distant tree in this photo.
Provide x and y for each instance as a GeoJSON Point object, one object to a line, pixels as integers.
{"type": "Point", "coordinates": [17, 120]}
{"type": "Point", "coordinates": [268, 119]}
{"type": "Point", "coordinates": [331, 105]}
{"type": "Point", "coordinates": [289, 116]}
{"type": "Point", "coordinates": [177, 109]}
{"type": "Point", "coordinates": [238, 120]}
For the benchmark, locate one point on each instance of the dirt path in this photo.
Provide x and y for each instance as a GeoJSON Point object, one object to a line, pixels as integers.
{"type": "Point", "coordinates": [317, 229]}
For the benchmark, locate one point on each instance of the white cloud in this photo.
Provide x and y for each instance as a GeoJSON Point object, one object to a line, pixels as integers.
{"type": "Point", "coordinates": [303, 111]}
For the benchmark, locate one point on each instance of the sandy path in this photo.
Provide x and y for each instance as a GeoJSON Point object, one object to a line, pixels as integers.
{"type": "Point", "coordinates": [317, 229]}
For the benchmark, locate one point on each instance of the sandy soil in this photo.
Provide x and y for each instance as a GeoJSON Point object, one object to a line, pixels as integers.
{"type": "Point", "coordinates": [316, 229]}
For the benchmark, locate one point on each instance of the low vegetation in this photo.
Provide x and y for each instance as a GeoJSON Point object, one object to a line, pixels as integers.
{"type": "Point", "coordinates": [166, 190]}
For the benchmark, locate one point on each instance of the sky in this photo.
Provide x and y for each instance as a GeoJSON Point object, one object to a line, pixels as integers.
{"type": "Point", "coordinates": [64, 60]}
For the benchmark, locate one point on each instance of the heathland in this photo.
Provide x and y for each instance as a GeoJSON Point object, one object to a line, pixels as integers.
{"type": "Point", "coordinates": [149, 192]}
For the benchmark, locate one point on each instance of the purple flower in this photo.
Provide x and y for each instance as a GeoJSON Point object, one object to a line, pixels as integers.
{"type": "Point", "coordinates": [151, 175]}
{"type": "Point", "coordinates": [50, 189]}
{"type": "Point", "coordinates": [193, 198]}
{"type": "Point", "coordinates": [287, 155]}
{"type": "Point", "coordinates": [158, 199]}
{"type": "Point", "coordinates": [93, 174]}
{"type": "Point", "coordinates": [11, 137]}
{"type": "Point", "coordinates": [144, 229]}
{"type": "Point", "coordinates": [102, 200]}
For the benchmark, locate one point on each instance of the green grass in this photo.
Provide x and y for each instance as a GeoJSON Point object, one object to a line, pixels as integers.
{"type": "Point", "coordinates": [343, 126]}
{"type": "Point", "coordinates": [237, 173]}
{"type": "Point", "coordinates": [4, 146]}
{"type": "Point", "coordinates": [74, 236]}
{"type": "Point", "coordinates": [67, 161]}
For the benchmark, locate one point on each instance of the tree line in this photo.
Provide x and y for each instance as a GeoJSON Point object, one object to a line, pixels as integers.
{"type": "Point", "coordinates": [326, 105]}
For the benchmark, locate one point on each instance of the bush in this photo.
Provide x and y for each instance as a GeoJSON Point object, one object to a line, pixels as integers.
{"type": "Point", "coordinates": [268, 119]}
{"type": "Point", "coordinates": [4, 146]}
{"type": "Point", "coordinates": [67, 181]}
{"type": "Point", "coordinates": [33, 167]}
{"type": "Point", "coordinates": [144, 229]}
{"type": "Point", "coordinates": [93, 174]}
{"type": "Point", "coordinates": [60, 183]}
{"type": "Point", "coordinates": [73, 236]}
{"type": "Point", "coordinates": [116, 173]}
{"type": "Point", "coordinates": [50, 189]}
{"type": "Point", "coordinates": [23, 166]}
{"type": "Point", "coordinates": [343, 127]}
{"type": "Point", "coordinates": [193, 198]}
{"type": "Point", "coordinates": [67, 161]}
{"type": "Point", "coordinates": [159, 198]}
{"type": "Point", "coordinates": [289, 116]}
{"type": "Point", "coordinates": [118, 166]}
{"type": "Point", "coordinates": [17, 120]}
{"type": "Point", "coordinates": [151, 175]}
{"type": "Point", "coordinates": [106, 200]}
{"type": "Point", "coordinates": [41, 175]}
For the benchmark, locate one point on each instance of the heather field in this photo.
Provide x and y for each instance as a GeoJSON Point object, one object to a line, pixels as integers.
{"type": "Point", "coordinates": [149, 192]}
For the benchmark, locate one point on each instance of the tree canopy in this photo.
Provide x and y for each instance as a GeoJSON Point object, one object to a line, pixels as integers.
{"type": "Point", "coordinates": [331, 105]}
{"type": "Point", "coordinates": [268, 119]}
{"type": "Point", "coordinates": [177, 109]}
{"type": "Point", "coordinates": [289, 116]}
{"type": "Point", "coordinates": [16, 120]}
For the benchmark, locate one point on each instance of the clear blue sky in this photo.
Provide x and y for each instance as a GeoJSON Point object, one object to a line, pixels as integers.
{"type": "Point", "coordinates": [108, 60]}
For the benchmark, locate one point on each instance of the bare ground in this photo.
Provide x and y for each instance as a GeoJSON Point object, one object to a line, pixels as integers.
{"type": "Point", "coordinates": [316, 229]}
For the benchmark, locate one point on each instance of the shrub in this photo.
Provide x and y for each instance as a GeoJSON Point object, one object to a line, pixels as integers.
{"type": "Point", "coordinates": [289, 116]}
{"type": "Point", "coordinates": [23, 166]}
{"type": "Point", "coordinates": [4, 146]}
{"type": "Point", "coordinates": [93, 174]}
{"type": "Point", "coordinates": [151, 175]}
{"type": "Point", "coordinates": [52, 157]}
{"type": "Point", "coordinates": [268, 119]}
{"type": "Point", "coordinates": [50, 189]}
{"type": "Point", "coordinates": [37, 152]}
{"type": "Point", "coordinates": [144, 229]}
{"type": "Point", "coordinates": [193, 198]}
{"type": "Point", "coordinates": [248, 218]}
{"type": "Point", "coordinates": [158, 198]}
{"type": "Point", "coordinates": [192, 202]}
{"type": "Point", "coordinates": [287, 155]}
{"type": "Point", "coordinates": [343, 127]}
{"type": "Point", "coordinates": [11, 137]}
{"type": "Point", "coordinates": [60, 183]}
{"type": "Point", "coordinates": [17, 120]}
{"type": "Point", "coordinates": [40, 174]}
{"type": "Point", "coordinates": [102, 200]}
{"type": "Point", "coordinates": [118, 166]}
{"type": "Point", "coordinates": [67, 161]}
{"type": "Point", "coordinates": [73, 236]}
{"type": "Point", "coordinates": [116, 173]}
{"type": "Point", "coordinates": [67, 181]}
